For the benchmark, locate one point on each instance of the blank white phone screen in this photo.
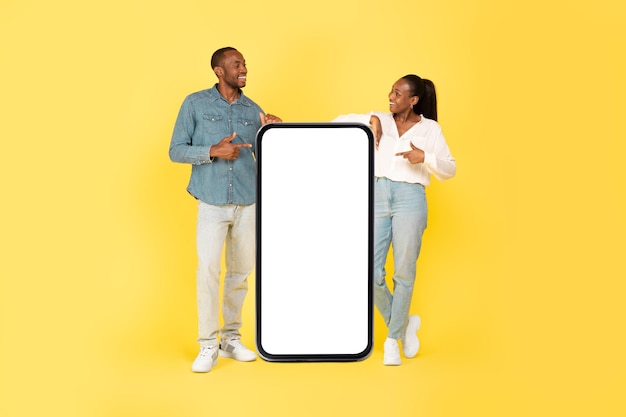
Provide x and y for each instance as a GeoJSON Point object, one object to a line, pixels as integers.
{"type": "Point", "coordinates": [314, 241]}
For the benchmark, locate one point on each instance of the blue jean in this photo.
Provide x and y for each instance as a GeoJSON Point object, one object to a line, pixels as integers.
{"type": "Point", "coordinates": [230, 228]}
{"type": "Point", "coordinates": [400, 217]}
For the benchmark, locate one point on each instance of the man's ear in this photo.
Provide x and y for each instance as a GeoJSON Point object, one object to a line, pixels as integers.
{"type": "Point", "coordinates": [219, 71]}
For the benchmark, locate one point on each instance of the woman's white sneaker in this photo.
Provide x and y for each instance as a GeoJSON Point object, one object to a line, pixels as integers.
{"type": "Point", "coordinates": [391, 354]}
{"type": "Point", "coordinates": [410, 343]}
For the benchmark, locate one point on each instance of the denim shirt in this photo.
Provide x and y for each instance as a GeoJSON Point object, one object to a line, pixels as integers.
{"type": "Point", "coordinates": [205, 118]}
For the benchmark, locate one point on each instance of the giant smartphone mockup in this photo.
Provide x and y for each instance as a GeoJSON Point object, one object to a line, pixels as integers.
{"type": "Point", "coordinates": [314, 283]}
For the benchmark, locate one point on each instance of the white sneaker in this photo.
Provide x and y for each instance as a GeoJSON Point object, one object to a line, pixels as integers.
{"type": "Point", "coordinates": [392, 352]}
{"type": "Point", "coordinates": [234, 349]}
{"type": "Point", "coordinates": [207, 359]}
{"type": "Point", "coordinates": [410, 343]}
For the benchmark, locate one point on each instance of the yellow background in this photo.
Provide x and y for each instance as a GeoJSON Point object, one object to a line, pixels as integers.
{"type": "Point", "coordinates": [521, 279]}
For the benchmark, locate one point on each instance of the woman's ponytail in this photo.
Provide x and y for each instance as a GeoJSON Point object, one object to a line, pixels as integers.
{"type": "Point", "coordinates": [429, 101]}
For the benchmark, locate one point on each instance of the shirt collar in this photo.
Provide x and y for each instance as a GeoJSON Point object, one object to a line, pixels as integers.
{"type": "Point", "coordinates": [215, 95]}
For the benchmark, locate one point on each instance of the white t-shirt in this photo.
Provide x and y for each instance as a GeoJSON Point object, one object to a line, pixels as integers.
{"type": "Point", "coordinates": [425, 135]}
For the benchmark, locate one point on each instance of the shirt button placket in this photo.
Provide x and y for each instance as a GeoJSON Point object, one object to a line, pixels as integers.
{"type": "Point", "coordinates": [230, 163]}
{"type": "Point", "coordinates": [230, 182]}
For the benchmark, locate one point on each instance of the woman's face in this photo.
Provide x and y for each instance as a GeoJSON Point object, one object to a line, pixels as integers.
{"type": "Point", "coordinates": [400, 99]}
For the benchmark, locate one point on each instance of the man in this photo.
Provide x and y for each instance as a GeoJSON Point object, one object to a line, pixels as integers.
{"type": "Point", "coordinates": [215, 133]}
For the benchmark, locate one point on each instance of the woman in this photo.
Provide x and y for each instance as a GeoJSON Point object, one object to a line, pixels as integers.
{"type": "Point", "coordinates": [410, 146]}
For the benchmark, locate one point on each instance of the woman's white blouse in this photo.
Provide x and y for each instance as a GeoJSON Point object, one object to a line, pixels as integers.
{"type": "Point", "coordinates": [425, 135]}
